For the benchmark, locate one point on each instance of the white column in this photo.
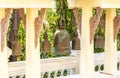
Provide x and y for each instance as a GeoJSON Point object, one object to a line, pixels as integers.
{"type": "Point", "coordinates": [87, 54]}
{"type": "Point", "coordinates": [3, 55]}
{"type": "Point", "coordinates": [32, 55]}
{"type": "Point", "coordinates": [110, 62]}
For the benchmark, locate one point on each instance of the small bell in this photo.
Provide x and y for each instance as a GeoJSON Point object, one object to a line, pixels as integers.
{"type": "Point", "coordinates": [99, 42]}
{"type": "Point", "coordinates": [76, 41]}
{"type": "Point", "coordinates": [16, 48]}
{"type": "Point", "coordinates": [46, 43]}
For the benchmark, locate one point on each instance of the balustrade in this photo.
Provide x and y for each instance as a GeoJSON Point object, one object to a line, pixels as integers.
{"type": "Point", "coordinates": [52, 67]}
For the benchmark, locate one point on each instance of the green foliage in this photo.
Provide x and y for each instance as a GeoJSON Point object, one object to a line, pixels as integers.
{"type": "Point", "coordinates": [46, 55]}
{"type": "Point", "coordinates": [118, 40]}
{"type": "Point", "coordinates": [22, 39]}
{"type": "Point", "coordinates": [118, 11]}
{"type": "Point", "coordinates": [70, 23]}
{"type": "Point", "coordinates": [62, 17]}
{"type": "Point", "coordinates": [51, 25]}
{"type": "Point", "coordinates": [62, 11]}
{"type": "Point", "coordinates": [118, 35]}
{"type": "Point", "coordinates": [96, 50]}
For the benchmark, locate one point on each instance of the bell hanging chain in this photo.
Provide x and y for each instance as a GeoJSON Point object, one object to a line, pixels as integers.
{"type": "Point", "coordinates": [116, 25]}
{"type": "Point", "coordinates": [38, 24]}
{"type": "Point", "coordinates": [94, 21]}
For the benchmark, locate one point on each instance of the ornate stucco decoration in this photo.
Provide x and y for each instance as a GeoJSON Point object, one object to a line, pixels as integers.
{"type": "Point", "coordinates": [94, 21]}
{"type": "Point", "coordinates": [116, 26]}
{"type": "Point", "coordinates": [4, 27]}
{"type": "Point", "coordinates": [38, 24]}
{"type": "Point", "coordinates": [77, 17]}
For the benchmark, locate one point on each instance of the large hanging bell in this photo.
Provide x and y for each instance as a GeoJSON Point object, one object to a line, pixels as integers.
{"type": "Point", "coordinates": [99, 42]}
{"type": "Point", "coordinates": [46, 43]}
{"type": "Point", "coordinates": [16, 48]}
{"type": "Point", "coordinates": [62, 42]}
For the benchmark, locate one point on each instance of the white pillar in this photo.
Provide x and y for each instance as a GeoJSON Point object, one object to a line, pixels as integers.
{"type": "Point", "coordinates": [3, 55]}
{"type": "Point", "coordinates": [110, 62]}
{"type": "Point", "coordinates": [87, 54]}
{"type": "Point", "coordinates": [32, 55]}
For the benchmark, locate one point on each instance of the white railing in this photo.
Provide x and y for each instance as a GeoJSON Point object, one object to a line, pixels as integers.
{"type": "Point", "coordinates": [56, 66]}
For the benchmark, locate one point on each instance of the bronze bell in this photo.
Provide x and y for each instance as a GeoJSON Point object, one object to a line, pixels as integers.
{"type": "Point", "coordinates": [76, 41]}
{"type": "Point", "coordinates": [46, 43]}
{"type": "Point", "coordinates": [62, 42]}
{"type": "Point", "coordinates": [99, 42]}
{"type": "Point", "coordinates": [16, 48]}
